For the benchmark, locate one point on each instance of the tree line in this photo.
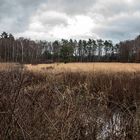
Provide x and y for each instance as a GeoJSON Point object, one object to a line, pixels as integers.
{"type": "Point", "coordinates": [24, 50]}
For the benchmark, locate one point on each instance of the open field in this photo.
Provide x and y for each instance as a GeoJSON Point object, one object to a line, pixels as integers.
{"type": "Point", "coordinates": [99, 101]}
{"type": "Point", "coordinates": [8, 66]}
{"type": "Point", "coordinates": [74, 67]}
{"type": "Point", "coordinates": [86, 67]}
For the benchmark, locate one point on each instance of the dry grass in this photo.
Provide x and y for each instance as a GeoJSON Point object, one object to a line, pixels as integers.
{"type": "Point", "coordinates": [8, 66]}
{"type": "Point", "coordinates": [72, 105]}
{"type": "Point", "coordinates": [86, 67]}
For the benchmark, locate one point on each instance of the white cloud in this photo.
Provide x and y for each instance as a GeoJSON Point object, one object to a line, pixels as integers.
{"type": "Point", "coordinates": [77, 26]}
{"type": "Point", "coordinates": [55, 19]}
{"type": "Point", "coordinates": [63, 26]}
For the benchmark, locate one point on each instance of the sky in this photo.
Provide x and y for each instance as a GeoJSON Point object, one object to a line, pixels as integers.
{"type": "Point", "coordinates": [77, 19]}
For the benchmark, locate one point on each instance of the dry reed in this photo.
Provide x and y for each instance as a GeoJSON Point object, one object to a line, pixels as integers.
{"type": "Point", "coordinates": [69, 105]}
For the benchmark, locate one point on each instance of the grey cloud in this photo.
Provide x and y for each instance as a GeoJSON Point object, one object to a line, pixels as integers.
{"type": "Point", "coordinates": [14, 14]}
{"type": "Point", "coordinates": [110, 8]}
{"type": "Point", "coordinates": [123, 26]}
{"type": "Point", "coordinates": [113, 19]}
{"type": "Point", "coordinates": [71, 7]}
{"type": "Point", "coordinates": [52, 18]}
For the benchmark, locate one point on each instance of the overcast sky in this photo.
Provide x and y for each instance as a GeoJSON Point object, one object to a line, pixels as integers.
{"type": "Point", "coordinates": [77, 19]}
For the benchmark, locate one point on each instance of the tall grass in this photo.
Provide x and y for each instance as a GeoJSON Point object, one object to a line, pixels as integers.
{"type": "Point", "coordinates": [69, 105]}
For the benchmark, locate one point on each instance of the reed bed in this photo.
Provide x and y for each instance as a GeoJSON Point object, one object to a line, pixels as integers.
{"type": "Point", "coordinates": [69, 105]}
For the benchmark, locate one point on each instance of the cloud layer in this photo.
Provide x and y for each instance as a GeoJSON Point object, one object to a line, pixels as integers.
{"type": "Point", "coordinates": [56, 19]}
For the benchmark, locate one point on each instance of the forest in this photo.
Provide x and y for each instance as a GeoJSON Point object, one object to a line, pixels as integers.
{"type": "Point", "coordinates": [23, 50]}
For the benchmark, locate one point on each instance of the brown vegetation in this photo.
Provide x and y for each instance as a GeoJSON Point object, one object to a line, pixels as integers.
{"type": "Point", "coordinates": [79, 105]}
{"type": "Point", "coordinates": [85, 67]}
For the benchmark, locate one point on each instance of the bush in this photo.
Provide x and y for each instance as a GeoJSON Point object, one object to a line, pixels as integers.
{"type": "Point", "coordinates": [73, 105]}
